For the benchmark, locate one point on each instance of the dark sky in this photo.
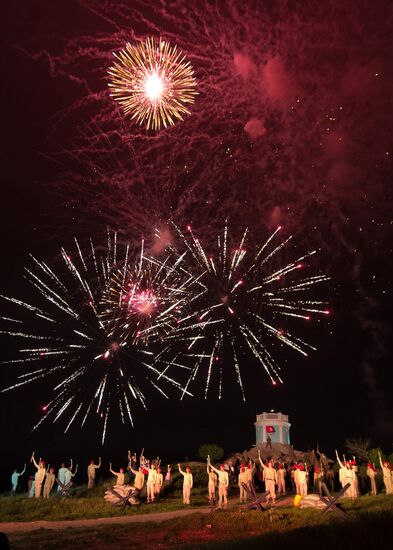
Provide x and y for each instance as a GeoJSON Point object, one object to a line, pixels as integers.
{"type": "Point", "coordinates": [292, 125]}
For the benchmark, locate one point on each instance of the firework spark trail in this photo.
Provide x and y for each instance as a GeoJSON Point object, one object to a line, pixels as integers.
{"type": "Point", "coordinates": [89, 347]}
{"type": "Point", "coordinates": [244, 304]}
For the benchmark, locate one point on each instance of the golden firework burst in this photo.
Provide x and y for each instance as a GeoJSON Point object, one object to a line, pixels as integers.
{"type": "Point", "coordinates": [153, 82]}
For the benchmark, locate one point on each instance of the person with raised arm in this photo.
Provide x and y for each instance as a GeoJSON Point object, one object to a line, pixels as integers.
{"type": "Point", "coordinates": [270, 478]}
{"type": "Point", "coordinates": [15, 478]}
{"type": "Point", "coordinates": [387, 474]}
{"type": "Point", "coordinates": [69, 475]}
{"type": "Point", "coordinates": [91, 472]}
{"type": "Point", "coordinates": [62, 473]}
{"type": "Point", "coordinates": [223, 483]}
{"type": "Point", "coordinates": [348, 476]}
{"type": "Point", "coordinates": [119, 475]}
{"type": "Point", "coordinates": [212, 483]}
{"type": "Point", "coordinates": [188, 482]}
{"type": "Point", "coordinates": [355, 469]}
{"type": "Point", "coordinates": [39, 475]}
{"type": "Point", "coordinates": [139, 479]}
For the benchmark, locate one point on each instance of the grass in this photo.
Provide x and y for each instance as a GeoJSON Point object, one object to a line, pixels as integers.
{"type": "Point", "coordinates": [368, 525]}
{"type": "Point", "coordinates": [56, 508]}
{"type": "Point", "coordinates": [369, 520]}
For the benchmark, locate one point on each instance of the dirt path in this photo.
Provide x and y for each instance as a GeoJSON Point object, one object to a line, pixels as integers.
{"type": "Point", "coordinates": [22, 526]}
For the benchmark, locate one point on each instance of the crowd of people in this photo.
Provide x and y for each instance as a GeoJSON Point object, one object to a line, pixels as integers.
{"type": "Point", "coordinates": [275, 477]}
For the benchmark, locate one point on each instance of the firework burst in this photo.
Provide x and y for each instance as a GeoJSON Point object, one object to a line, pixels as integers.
{"type": "Point", "coordinates": [153, 83]}
{"type": "Point", "coordinates": [143, 301]}
{"type": "Point", "coordinates": [245, 308]}
{"type": "Point", "coordinates": [96, 341]}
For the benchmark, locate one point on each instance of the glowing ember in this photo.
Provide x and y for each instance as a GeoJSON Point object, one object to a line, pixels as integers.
{"type": "Point", "coordinates": [145, 302]}
{"type": "Point", "coordinates": [154, 87]}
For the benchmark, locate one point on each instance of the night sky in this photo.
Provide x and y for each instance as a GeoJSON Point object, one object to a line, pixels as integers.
{"type": "Point", "coordinates": [292, 126]}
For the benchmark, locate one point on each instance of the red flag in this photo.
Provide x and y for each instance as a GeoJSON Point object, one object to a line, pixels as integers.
{"type": "Point", "coordinates": [270, 429]}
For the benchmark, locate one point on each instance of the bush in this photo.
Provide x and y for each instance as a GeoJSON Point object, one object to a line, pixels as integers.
{"type": "Point", "coordinates": [215, 452]}
{"type": "Point", "coordinates": [374, 457]}
{"type": "Point", "coordinates": [359, 448]}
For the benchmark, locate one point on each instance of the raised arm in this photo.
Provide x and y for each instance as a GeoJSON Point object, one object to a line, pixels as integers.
{"type": "Point", "coordinates": [212, 467]}
{"type": "Point", "coordinates": [180, 470]}
{"type": "Point", "coordinates": [260, 460]}
{"type": "Point", "coordinates": [76, 469]}
{"type": "Point", "coordinates": [23, 471]}
{"type": "Point", "coordinates": [33, 460]}
{"type": "Point", "coordinates": [207, 467]}
{"type": "Point", "coordinates": [112, 471]}
{"type": "Point", "coordinates": [99, 463]}
{"type": "Point", "coordinates": [380, 461]}
{"type": "Point", "coordinates": [338, 460]}
{"type": "Point", "coordinates": [70, 468]}
{"type": "Point", "coordinates": [132, 470]}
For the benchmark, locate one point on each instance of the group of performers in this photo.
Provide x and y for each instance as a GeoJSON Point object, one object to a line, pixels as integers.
{"type": "Point", "coordinates": [274, 475]}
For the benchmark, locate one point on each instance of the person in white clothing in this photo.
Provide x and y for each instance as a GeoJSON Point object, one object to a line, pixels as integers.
{"type": "Point", "coordinates": [270, 478]}
{"type": "Point", "coordinates": [243, 478]}
{"type": "Point", "coordinates": [250, 471]}
{"type": "Point", "coordinates": [223, 483]}
{"type": "Point", "coordinates": [281, 490]}
{"type": "Point", "coordinates": [348, 476]}
{"type": "Point", "coordinates": [15, 478]}
{"type": "Point", "coordinates": [151, 482]}
{"type": "Point", "coordinates": [302, 480]}
{"type": "Point", "coordinates": [187, 484]}
{"type": "Point", "coordinates": [355, 469]}
{"type": "Point", "coordinates": [387, 475]}
{"type": "Point", "coordinates": [61, 474]}
{"type": "Point", "coordinates": [119, 475]}
{"type": "Point", "coordinates": [91, 472]}
{"type": "Point", "coordinates": [212, 484]}
{"type": "Point", "coordinates": [39, 475]}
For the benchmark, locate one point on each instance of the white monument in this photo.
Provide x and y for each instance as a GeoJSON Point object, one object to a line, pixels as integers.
{"type": "Point", "coordinates": [274, 425]}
